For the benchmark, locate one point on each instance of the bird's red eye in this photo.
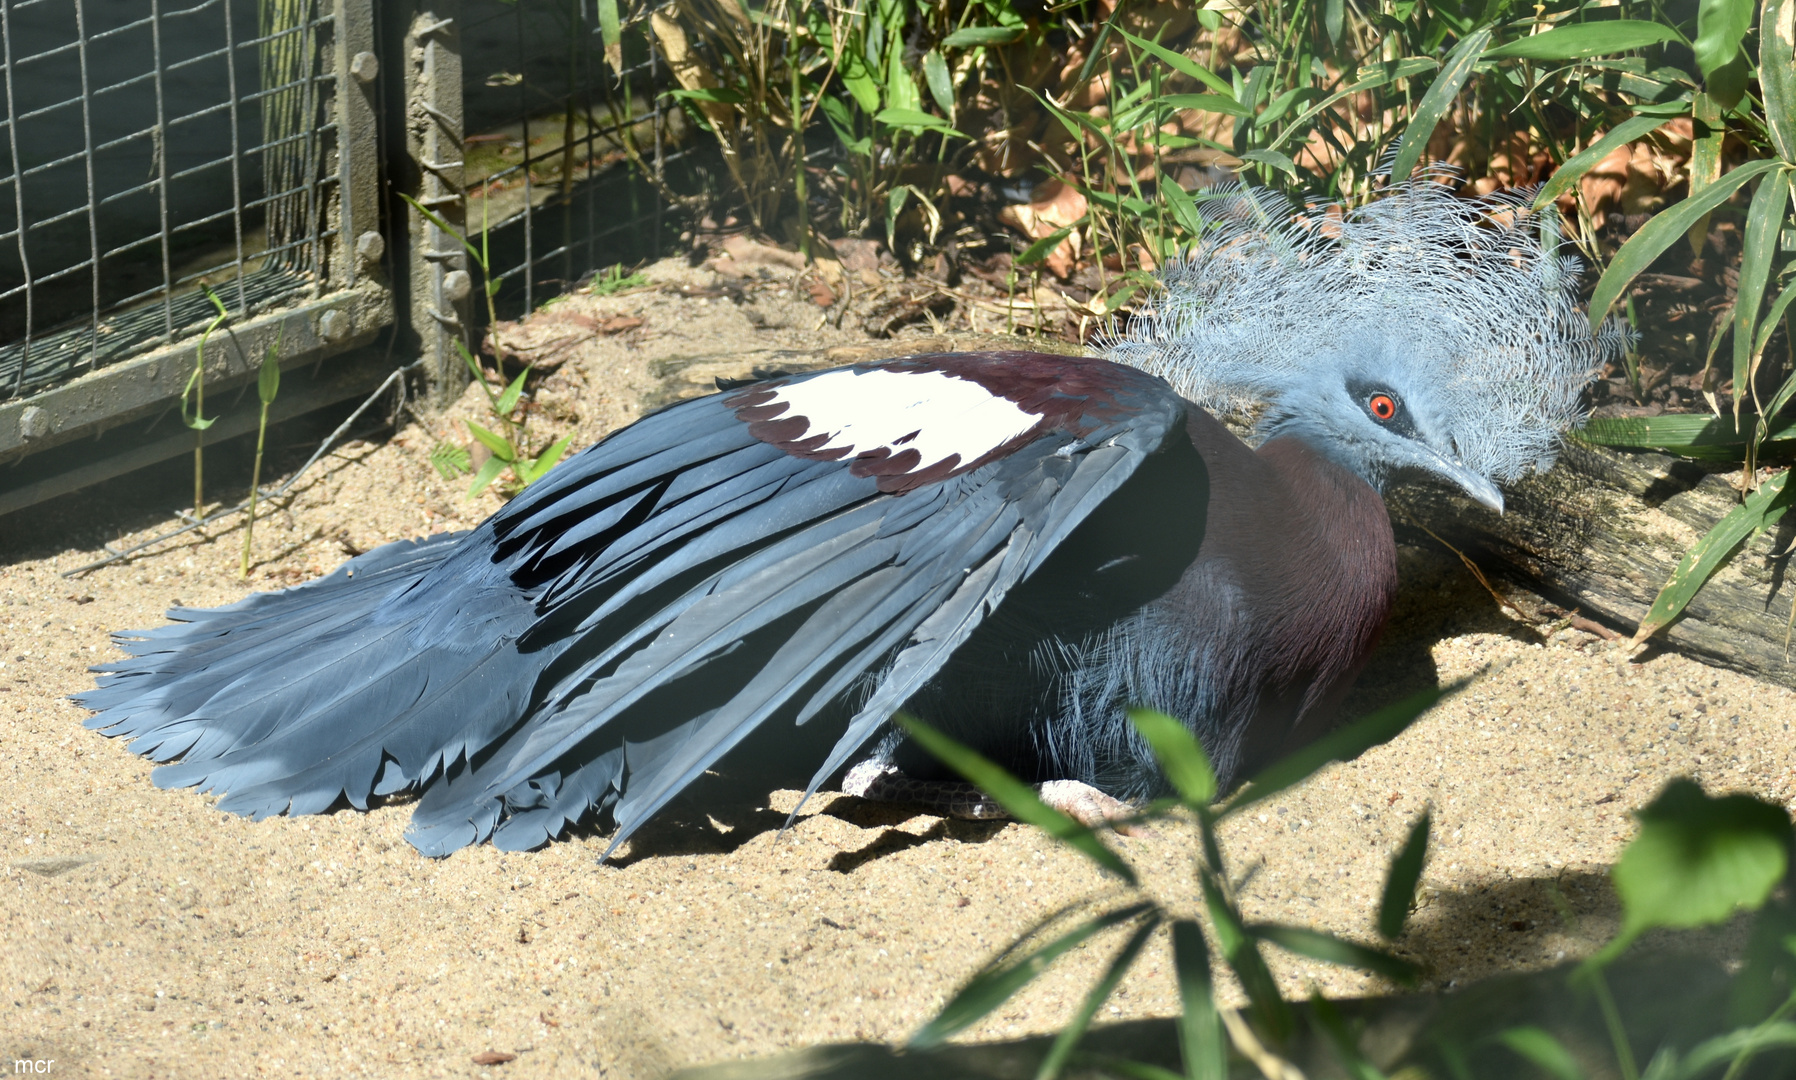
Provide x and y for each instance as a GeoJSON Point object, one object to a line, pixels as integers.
{"type": "Point", "coordinates": [1383, 406]}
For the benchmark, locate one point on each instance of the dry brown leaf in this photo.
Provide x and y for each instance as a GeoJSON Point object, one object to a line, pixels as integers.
{"type": "Point", "coordinates": [1055, 206]}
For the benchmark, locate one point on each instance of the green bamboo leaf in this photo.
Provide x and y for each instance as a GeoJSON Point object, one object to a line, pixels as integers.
{"type": "Point", "coordinates": [917, 121]}
{"type": "Point", "coordinates": [1324, 1016]}
{"type": "Point", "coordinates": [1180, 63]}
{"type": "Point", "coordinates": [1705, 159]}
{"type": "Point", "coordinates": [1777, 74]}
{"type": "Point", "coordinates": [859, 80]}
{"type": "Point", "coordinates": [1342, 744]}
{"type": "Point", "coordinates": [1543, 1050]}
{"type": "Point", "coordinates": [1709, 1053]}
{"type": "Point", "coordinates": [1696, 861]}
{"type": "Point", "coordinates": [1069, 1036]}
{"type": "Point", "coordinates": [1768, 326]}
{"type": "Point", "coordinates": [489, 471]}
{"type": "Point", "coordinates": [1761, 509]}
{"type": "Point", "coordinates": [1400, 884]}
{"type": "Point", "coordinates": [498, 444]}
{"type": "Point", "coordinates": [718, 95]}
{"type": "Point", "coordinates": [610, 31]}
{"type": "Point", "coordinates": [1333, 950]}
{"type": "Point", "coordinates": [1689, 435]}
{"type": "Point", "coordinates": [1274, 159]}
{"type": "Point", "coordinates": [1586, 159]}
{"type": "Point", "coordinates": [1437, 101]}
{"type": "Point", "coordinates": [1334, 18]}
{"type": "Point", "coordinates": [992, 988]}
{"type": "Point", "coordinates": [1132, 1070]}
{"type": "Point", "coordinates": [941, 84]}
{"type": "Point", "coordinates": [1764, 220]}
{"type": "Point", "coordinates": [1201, 1040]}
{"type": "Point", "coordinates": [1218, 103]}
{"type": "Point", "coordinates": [268, 380]}
{"type": "Point", "coordinates": [1039, 250]}
{"type": "Point", "coordinates": [450, 460]}
{"type": "Point", "coordinates": [437, 219]}
{"type": "Point", "coordinates": [1366, 78]}
{"type": "Point", "coordinates": [1242, 951]}
{"type": "Point", "coordinates": [1720, 27]}
{"type": "Point", "coordinates": [971, 36]}
{"type": "Point", "coordinates": [1183, 207]}
{"type": "Point", "coordinates": [508, 400]}
{"type": "Point", "coordinates": [549, 457]}
{"type": "Point", "coordinates": [1660, 233]}
{"type": "Point", "coordinates": [1015, 796]}
{"type": "Point", "coordinates": [1180, 755]}
{"type": "Point", "coordinates": [1582, 40]}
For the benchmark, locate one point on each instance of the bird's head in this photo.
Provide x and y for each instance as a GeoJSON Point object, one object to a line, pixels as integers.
{"type": "Point", "coordinates": [1417, 335]}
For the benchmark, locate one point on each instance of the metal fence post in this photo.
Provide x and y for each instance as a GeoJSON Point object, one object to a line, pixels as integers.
{"type": "Point", "coordinates": [359, 244]}
{"type": "Point", "coordinates": [436, 263]}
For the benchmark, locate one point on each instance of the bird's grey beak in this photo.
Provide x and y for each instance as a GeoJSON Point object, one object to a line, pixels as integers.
{"type": "Point", "coordinates": [1473, 484]}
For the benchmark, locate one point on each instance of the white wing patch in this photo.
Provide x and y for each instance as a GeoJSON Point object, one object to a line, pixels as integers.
{"type": "Point", "coordinates": [931, 412]}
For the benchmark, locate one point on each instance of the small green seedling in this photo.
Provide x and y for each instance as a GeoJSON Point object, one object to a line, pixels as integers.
{"type": "Point", "coordinates": [268, 384]}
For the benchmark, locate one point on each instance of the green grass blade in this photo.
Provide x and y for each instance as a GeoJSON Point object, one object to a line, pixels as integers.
{"type": "Point", "coordinates": [1761, 509]}
{"type": "Point", "coordinates": [1583, 40]}
{"type": "Point", "coordinates": [992, 988]}
{"type": "Point", "coordinates": [1544, 1051]}
{"type": "Point", "coordinates": [1180, 755]}
{"type": "Point", "coordinates": [1437, 101]}
{"type": "Point", "coordinates": [1400, 883]}
{"type": "Point", "coordinates": [1660, 233]}
{"type": "Point", "coordinates": [1343, 744]}
{"type": "Point", "coordinates": [1015, 796]}
{"type": "Point", "coordinates": [1201, 1039]}
{"type": "Point", "coordinates": [1333, 950]}
{"type": "Point", "coordinates": [1586, 159]}
{"type": "Point", "coordinates": [1088, 1010]}
{"type": "Point", "coordinates": [1777, 74]}
{"type": "Point", "coordinates": [1765, 219]}
{"type": "Point", "coordinates": [1180, 63]}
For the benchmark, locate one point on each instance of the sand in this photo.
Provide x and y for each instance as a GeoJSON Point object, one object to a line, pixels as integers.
{"type": "Point", "coordinates": [149, 935]}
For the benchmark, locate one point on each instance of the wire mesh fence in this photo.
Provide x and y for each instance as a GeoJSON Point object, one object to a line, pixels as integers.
{"type": "Point", "coordinates": [156, 150]}
{"type": "Point", "coordinates": [567, 159]}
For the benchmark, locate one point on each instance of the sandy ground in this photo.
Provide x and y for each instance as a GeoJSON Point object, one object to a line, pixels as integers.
{"type": "Point", "coordinates": [148, 935]}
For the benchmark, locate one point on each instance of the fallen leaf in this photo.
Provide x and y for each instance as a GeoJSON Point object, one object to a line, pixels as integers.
{"type": "Point", "coordinates": [493, 1057]}
{"type": "Point", "coordinates": [617, 324]}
